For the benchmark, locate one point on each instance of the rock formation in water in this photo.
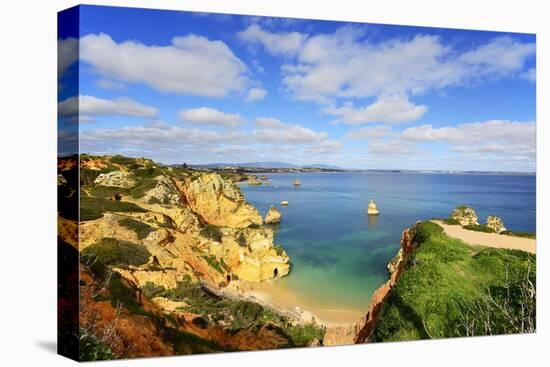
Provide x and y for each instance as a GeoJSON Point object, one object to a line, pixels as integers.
{"type": "Point", "coordinates": [372, 210]}
{"type": "Point", "coordinates": [465, 215]}
{"type": "Point", "coordinates": [297, 182]}
{"type": "Point", "coordinates": [273, 216]}
{"type": "Point", "coordinates": [495, 223]}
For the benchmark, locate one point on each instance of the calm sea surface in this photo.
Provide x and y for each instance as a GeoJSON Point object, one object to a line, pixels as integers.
{"type": "Point", "coordinates": [339, 254]}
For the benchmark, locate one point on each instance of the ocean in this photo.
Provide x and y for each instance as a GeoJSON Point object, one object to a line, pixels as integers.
{"type": "Point", "coordinates": [339, 254]}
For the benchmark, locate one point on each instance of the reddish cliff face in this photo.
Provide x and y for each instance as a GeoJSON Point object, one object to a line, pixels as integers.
{"type": "Point", "coordinates": [362, 330]}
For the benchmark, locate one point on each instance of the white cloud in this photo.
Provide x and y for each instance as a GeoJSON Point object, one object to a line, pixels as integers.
{"type": "Point", "coordinates": [502, 55]}
{"type": "Point", "coordinates": [345, 65]}
{"type": "Point", "coordinates": [530, 75]}
{"type": "Point", "coordinates": [192, 65]}
{"type": "Point", "coordinates": [389, 109]}
{"type": "Point", "coordinates": [269, 122]}
{"type": "Point", "coordinates": [393, 147]}
{"type": "Point", "coordinates": [210, 116]}
{"type": "Point", "coordinates": [255, 94]}
{"type": "Point", "coordinates": [286, 133]}
{"type": "Point", "coordinates": [67, 54]}
{"type": "Point", "coordinates": [109, 84]}
{"type": "Point", "coordinates": [367, 133]}
{"type": "Point", "coordinates": [325, 147]}
{"type": "Point", "coordinates": [93, 106]}
{"type": "Point", "coordinates": [280, 43]}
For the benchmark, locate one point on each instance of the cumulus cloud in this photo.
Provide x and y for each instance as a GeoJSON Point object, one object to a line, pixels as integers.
{"type": "Point", "coordinates": [109, 84]}
{"type": "Point", "coordinates": [344, 64]}
{"type": "Point", "coordinates": [210, 116]}
{"type": "Point", "coordinates": [269, 122]}
{"type": "Point", "coordinates": [389, 109]}
{"type": "Point", "coordinates": [530, 75]}
{"type": "Point", "coordinates": [85, 105]}
{"type": "Point", "coordinates": [255, 94]}
{"type": "Point", "coordinates": [367, 133]}
{"type": "Point", "coordinates": [277, 43]}
{"type": "Point", "coordinates": [274, 131]}
{"type": "Point", "coordinates": [192, 65]}
{"type": "Point", "coordinates": [67, 54]}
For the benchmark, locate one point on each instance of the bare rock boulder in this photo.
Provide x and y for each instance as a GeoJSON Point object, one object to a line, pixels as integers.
{"type": "Point", "coordinates": [273, 216]}
{"type": "Point", "coordinates": [465, 215]}
{"type": "Point", "coordinates": [495, 223]}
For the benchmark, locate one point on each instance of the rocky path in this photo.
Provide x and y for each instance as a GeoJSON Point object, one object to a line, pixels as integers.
{"type": "Point", "coordinates": [489, 239]}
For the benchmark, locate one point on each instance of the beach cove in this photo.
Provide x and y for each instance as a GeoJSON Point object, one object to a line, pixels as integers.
{"type": "Point", "coordinates": [339, 255]}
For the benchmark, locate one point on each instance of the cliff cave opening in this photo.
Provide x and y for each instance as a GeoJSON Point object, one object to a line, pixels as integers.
{"type": "Point", "coordinates": [228, 278]}
{"type": "Point", "coordinates": [275, 272]}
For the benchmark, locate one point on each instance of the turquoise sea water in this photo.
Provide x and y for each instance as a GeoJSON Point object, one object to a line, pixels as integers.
{"type": "Point", "coordinates": [339, 254]}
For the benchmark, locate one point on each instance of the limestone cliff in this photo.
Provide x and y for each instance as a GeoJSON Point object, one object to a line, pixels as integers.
{"type": "Point", "coordinates": [220, 202]}
{"type": "Point", "coordinates": [465, 215]}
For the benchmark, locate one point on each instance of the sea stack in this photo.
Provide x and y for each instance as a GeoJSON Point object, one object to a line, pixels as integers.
{"type": "Point", "coordinates": [372, 210]}
{"type": "Point", "coordinates": [297, 182]}
{"type": "Point", "coordinates": [284, 203]}
{"type": "Point", "coordinates": [273, 216]}
{"type": "Point", "coordinates": [495, 223]}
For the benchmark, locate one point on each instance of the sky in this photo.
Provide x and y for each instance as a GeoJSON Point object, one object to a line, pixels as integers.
{"type": "Point", "coordinates": [202, 88]}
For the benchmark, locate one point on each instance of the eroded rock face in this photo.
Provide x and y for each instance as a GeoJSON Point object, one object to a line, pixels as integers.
{"type": "Point", "coordinates": [220, 202]}
{"type": "Point", "coordinates": [495, 223]}
{"type": "Point", "coordinates": [465, 215]}
{"type": "Point", "coordinates": [165, 192]}
{"type": "Point", "coordinates": [250, 254]}
{"type": "Point", "coordinates": [273, 216]}
{"type": "Point", "coordinates": [116, 179]}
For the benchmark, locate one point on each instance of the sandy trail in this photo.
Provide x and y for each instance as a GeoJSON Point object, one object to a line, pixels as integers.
{"type": "Point", "coordinates": [489, 239]}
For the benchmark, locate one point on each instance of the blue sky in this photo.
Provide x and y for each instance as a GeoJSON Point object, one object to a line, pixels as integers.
{"type": "Point", "coordinates": [198, 88]}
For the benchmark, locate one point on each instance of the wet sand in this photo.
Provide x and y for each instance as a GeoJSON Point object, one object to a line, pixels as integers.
{"type": "Point", "coordinates": [489, 239]}
{"type": "Point", "coordinates": [282, 299]}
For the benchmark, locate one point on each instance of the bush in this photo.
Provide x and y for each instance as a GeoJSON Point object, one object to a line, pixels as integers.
{"type": "Point", "coordinates": [93, 208]}
{"type": "Point", "coordinates": [479, 228]}
{"type": "Point", "coordinates": [212, 232]}
{"type": "Point", "coordinates": [278, 249]}
{"type": "Point", "coordinates": [424, 230]}
{"type": "Point", "coordinates": [148, 172]}
{"type": "Point", "coordinates": [302, 335]}
{"type": "Point", "coordinates": [107, 192]}
{"type": "Point", "coordinates": [141, 187]}
{"type": "Point", "coordinates": [451, 221]}
{"type": "Point", "coordinates": [213, 262]}
{"type": "Point", "coordinates": [125, 161]}
{"type": "Point", "coordinates": [110, 251]}
{"type": "Point", "coordinates": [91, 349]}
{"type": "Point", "coordinates": [142, 229]}
{"type": "Point", "coordinates": [520, 234]}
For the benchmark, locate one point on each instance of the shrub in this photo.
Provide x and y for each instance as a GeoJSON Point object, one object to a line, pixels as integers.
{"type": "Point", "coordinates": [212, 232]}
{"type": "Point", "coordinates": [107, 192]}
{"type": "Point", "coordinates": [119, 159]}
{"type": "Point", "coordinates": [153, 200]}
{"type": "Point", "coordinates": [302, 335]}
{"type": "Point", "coordinates": [141, 187]}
{"type": "Point", "coordinates": [213, 262]}
{"type": "Point", "coordinates": [241, 240]}
{"type": "Point", "coordinates": [479, 228]}
{"type": "Point", "coordinates": [91, 349]}
{"type": "Point", "coordinates": [111, 251]}
{"type": "Point", "coordinates": [520, 234]}
{"type": "Point", "coordinates": [451, 221]}
{"type": "Point", "coordinates": [142, 229]}
{"type": "Point", "coordinates": [424, 230]}
{"type": "Point", "coordinates": [278, 249]}
{"type": "Point", "coordinates": [148, 172]}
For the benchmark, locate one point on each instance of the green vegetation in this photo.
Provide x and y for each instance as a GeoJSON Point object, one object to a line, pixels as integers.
{"type": "Point", "coordinates": [520, 234]}
{"type": "Point", "coordinates": [212, 232]}
{"type": "Point", "coordinates": [479, 228]}
{"type": "Point", "coordinates": [125, 161]}
{"type": "Point", "coordinates": [93, 208]}
{"type": "Point", "coordinates": [237, 314]}
{"type": "Point", "coordinates": [141, 187]}
{"type": "Point", "coordinates": [148, 172]}
{"type": "Point", "coordinates": [213, 262]}
{"type": "Point", "coordinates": [451, 221]}
{"type": "Point", "coordinates": [452, 289]}
{"type": "Point", "coordinates": [110, 251]}
{"type": "Point", "coordinates": [107, 192]}
{"type": "Point", "coordinates": [142, 229]}
{"type": "Point", "coordinates": [91, 349]}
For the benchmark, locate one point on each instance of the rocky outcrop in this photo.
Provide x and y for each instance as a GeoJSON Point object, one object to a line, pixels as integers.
{"type": "Point", "coordinates": [116, 179]}
{"type": "Point", "coordinates": [372, 210]}
{"type": "Point", "coordinates": [273, 216]}
{"type": "Point", "coordinates": [253, 180]}
{"type": "Point", "coordinates": [297, 182]}
{"type": "Point", "coordinates": [495, 223]}
{"type": "Point", "coordinates": [251, 255]}
{"type": "Point", "coordinates": [362, 330]}
{"type": "Point", "coordinates": [220, 202]}
{"type": "Point", "coordinates": [465, 215]}
{"type": "Point", "coordinates": [165, 192]}
{"type": "Point", "coordinates": [61, 180]}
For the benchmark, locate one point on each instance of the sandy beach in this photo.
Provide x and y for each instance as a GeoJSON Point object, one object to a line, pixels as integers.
{"type": "Point", "coordinates": [489, 239]}
{"type": "Point", "coordinates": [275, 295]}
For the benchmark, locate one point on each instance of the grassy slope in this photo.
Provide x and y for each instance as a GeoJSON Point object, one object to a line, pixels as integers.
{"type": "Point", "coordinates": [443, 279]}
